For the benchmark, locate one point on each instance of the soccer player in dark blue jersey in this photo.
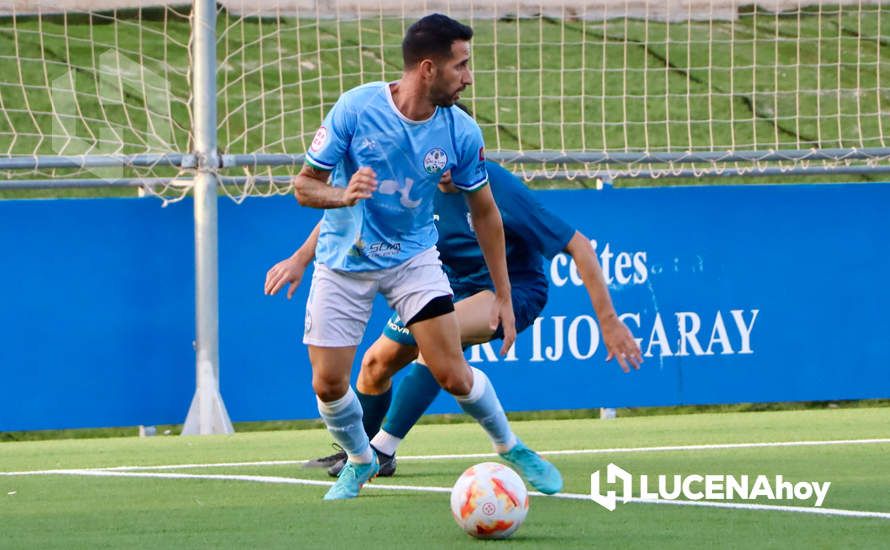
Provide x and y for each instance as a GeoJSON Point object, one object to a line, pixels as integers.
{"type": "Point", "coordinates": [532, 233]}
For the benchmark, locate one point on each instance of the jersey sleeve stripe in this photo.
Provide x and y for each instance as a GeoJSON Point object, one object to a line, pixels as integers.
{"type": "Point", "coordinates": [318, 164]}
{"type": "Point", "coordinates": [473, 187]}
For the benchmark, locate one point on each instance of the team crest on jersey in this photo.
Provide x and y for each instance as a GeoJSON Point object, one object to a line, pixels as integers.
{"type": "Point", "coordinates": [321, 137]}
{"type": "Point", "coordinates": [435, 160]}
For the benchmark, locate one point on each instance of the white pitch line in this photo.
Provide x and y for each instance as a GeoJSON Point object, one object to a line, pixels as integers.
{"type": "Point", "coordinates": [743, 506]}
{"type": "Point", "coordinates": [212, 465]}
{"type": "Point", "coordinates": [705, 447]}
{"type": "Point", "coordinates": [770, 508]}
{"type": "Point", "coordinates": [171, 475]}
{"type": "Point", "coordinates": [718, 446]}
{"type": "Point", "coordinates": [430, 489]}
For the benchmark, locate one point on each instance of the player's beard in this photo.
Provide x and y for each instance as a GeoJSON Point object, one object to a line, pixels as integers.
{"type": "Point", "coordinates": [442, 97]}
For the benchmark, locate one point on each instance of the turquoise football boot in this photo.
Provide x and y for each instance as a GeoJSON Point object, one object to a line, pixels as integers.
{"type": "Point", "coordinates": [541, 474]}
{"type": "Point", "coordinates": [351, 479]}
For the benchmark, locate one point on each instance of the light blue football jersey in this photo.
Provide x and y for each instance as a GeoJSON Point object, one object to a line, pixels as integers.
{"type": "Point", "coordinates": [364, 128]}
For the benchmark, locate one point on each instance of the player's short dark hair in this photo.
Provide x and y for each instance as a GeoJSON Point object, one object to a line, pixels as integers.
{"type": "Point", "coordinates": [432, 37]}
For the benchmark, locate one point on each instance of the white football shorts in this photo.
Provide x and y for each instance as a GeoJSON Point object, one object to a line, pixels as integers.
{"type": "Point", "coordinates": [340, 302]}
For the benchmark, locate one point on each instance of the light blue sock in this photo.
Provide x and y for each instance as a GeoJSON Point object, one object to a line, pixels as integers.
{"type": "Point", "coordinates": [343, 418]}
{"type": "Point", "coordinates": [483, 405]}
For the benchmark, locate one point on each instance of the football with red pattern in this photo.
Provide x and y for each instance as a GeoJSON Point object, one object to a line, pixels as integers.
{"type": "Point", "coordinates": [489, 501]}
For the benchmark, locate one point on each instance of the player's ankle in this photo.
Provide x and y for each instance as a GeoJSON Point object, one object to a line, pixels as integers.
{"type": "Point", "coordinates": [507, 445]}
{"type": "Point", "coordinates": [386, 443]}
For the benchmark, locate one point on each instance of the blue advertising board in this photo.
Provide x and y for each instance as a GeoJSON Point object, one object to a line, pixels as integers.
{"type": "Point", "coordinates": [736, 294]}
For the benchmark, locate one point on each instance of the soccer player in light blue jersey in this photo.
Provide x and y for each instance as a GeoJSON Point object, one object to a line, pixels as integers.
{"type": "Point", "coordinates": [384, 147]}
{"type": "Point", "coordinates": [532, 233]}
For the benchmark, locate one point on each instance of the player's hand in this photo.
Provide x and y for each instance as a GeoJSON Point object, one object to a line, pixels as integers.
{"type": "Point", "coordinates": [502, 314]}
{"type": "Point", "coordinates": [286, 271]}
{"type": "Point", "coordinates": [361, 186]}
{"type": "Point", "coordinates": [621, 344]}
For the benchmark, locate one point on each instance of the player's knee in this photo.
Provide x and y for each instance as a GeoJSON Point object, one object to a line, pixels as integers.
{"type": "Point", "coordinates": [329, 388]}
{"type": "Point", "coordinates": [456, 381]}
{"type": "Point", "coordinates": [374, 374]}
{"type": "Point", "coordinates": [373, 366]}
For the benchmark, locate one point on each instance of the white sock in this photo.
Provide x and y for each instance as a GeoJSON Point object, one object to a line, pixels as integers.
{"type": "Point", "coordinates": [386, 443]}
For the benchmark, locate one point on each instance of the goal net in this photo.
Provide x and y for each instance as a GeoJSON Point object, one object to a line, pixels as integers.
{"type": "Point", "coordinates": [573, 89]}
{"type": "Point", "coordinates": [78, 84]}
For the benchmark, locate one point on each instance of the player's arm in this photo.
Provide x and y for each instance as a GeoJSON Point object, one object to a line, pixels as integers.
{"type": "Point", "coordinates": [490, 233]}
{"type": "Point", "coordinates": [290, 270]}
{"type": "Point", "coordinates": [618, 339]}
{"type": "Point", "coordinates": [312, 189]}
{"type": "Point", "coordinates": [329, 146]}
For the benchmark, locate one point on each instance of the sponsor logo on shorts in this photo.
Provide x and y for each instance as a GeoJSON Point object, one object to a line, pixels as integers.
{"type": "Point", "coordinates": [394, 325]}
{"type": "Point", "coordinates": [435, 160]}
{"type": "Point", "coordinates": [308, 322]}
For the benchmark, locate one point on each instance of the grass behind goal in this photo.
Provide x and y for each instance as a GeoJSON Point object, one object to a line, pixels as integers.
{"type": "Point", "coordinates": [814, 77]}
{"type": "Point", "coordinates": [76, 510]}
